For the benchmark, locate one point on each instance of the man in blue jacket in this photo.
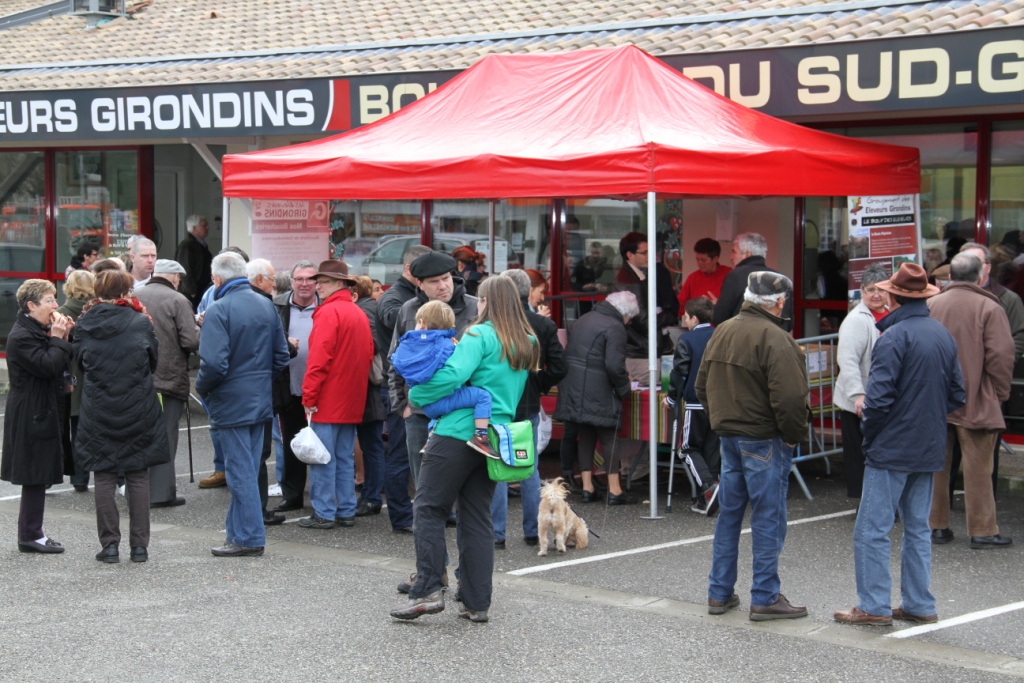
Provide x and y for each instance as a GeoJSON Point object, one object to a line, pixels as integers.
{"type": "Point", "coordinates": [241, 348]}
{"type": "Point", "coordinates": [914, 382]}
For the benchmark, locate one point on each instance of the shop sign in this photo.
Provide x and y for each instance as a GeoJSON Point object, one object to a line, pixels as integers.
{"type": "Point", "coordinates": [885, 230]}
{"type": "Point", "coordinates": [979, 68]}
{"type": "Point", "coordinates": [288, 231]}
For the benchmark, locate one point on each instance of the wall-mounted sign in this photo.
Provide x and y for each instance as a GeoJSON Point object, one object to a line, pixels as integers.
{"type": "Point", "coordinates": [287, 231]}
{"type": "Point", "coordinates": [884, 230]}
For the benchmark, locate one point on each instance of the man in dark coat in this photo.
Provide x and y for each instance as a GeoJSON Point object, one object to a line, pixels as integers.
{"type": "Point", "coordinates": [632, 277]}
{"type": "Point", "coordinates": [370, 432]}
{"type": "Point", "coordinates": [241, 349]}
{"type": "Point", "coordinates": [178, 336]}
{"type": "Point", "coordinates": [38, 354]}
{"type": "Point", "coordinates": [748, 253]}
{"type": "Point", "coordinates": [195, 257]}
{"type": "Point", "coordinates": [914, 382]}
{"type": "Point", "coordinates": [552, 370]}
{"type": "Point", "coordinates": [396, 459]}
{"type": "Point", "coordinates": [753, 385]}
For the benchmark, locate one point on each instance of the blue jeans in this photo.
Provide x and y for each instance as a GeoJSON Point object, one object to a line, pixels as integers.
{"type": "Point", "coordinates": [884, 492]}
{"type": "Point", "coordinates": [278, 449]}
{"type": "Point", "coordinates": [371, 440]}
{"type": "Point", "coordinates": [332, 487]}
{"type": "Point", "coordinates": [464, 397]}
{"type": "Point", "coordinates": [396, 469]}
{"type": "Point", "coordinates": [242, 448]}
{"type": "Point", "coordinates": [218, 450]}
{"type": "Point", "coordinates": [530, 489]}
{"type": "Point", "coordinates": [754, 471]}
{"type": "Point", "coordinates": [416, 430]}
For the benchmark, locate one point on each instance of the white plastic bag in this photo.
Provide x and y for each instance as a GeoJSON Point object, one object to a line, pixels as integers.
{"type": "Point", "coordinates": [308, 447]}
{"type": "Point", "coordinates": [543, 431]}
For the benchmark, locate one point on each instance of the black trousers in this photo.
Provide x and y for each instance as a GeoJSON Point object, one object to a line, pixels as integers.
{"type": "Point", "coordinates": [702, 447]}
{"type": "Point", "coordinates": [853, 455]}
{"type": "Point", "coordinates": [261, 476]}
{"type": "Point", "coordinates": [30, 516]}
{"type": "Point", "coordinates": [589, 435]}
{"type": "Point", "coordinates": [567, 449]}
{"type": "Point", "coordinates": [453, 472]}
{"type": "Point", "coordinates": [293, 484]}
{"type": "Point", "coordinates": [108, 519]}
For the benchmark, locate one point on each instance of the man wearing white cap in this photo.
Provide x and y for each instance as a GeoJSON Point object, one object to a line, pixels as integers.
{"type": "Point", "coordinates": [178, 336]}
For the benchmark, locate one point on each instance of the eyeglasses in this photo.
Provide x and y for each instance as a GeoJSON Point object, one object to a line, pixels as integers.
{"type": "Point", "coordinates": [641, 253]}
{"type": "Point", "coordinates": [48, 300]}
{"type": "Point", "coordinates": [304, 280]}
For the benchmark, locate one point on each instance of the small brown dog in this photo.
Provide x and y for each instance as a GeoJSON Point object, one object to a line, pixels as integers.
{"type": "Point", "coordinates": [556, 516]}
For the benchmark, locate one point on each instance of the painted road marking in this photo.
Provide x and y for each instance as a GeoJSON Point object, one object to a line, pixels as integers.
{"type": "Point", "coordinates": [660, 546]}
{"type": "Point", "coordinates": [956, 621]}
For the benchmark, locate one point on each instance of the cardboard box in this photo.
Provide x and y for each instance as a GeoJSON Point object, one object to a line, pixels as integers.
{"type": "Point", "coordinates": [820, 363]}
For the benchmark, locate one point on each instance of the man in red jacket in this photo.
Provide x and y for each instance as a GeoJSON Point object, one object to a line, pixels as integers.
{"type": "Point", "coordinates": [334, 394]}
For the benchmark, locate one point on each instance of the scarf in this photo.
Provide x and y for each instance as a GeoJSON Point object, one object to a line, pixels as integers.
{"type": "Point", "coordinates": [126, 301]}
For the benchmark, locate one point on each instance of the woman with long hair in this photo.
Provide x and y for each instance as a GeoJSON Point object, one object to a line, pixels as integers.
{"type": "Point", "coordinates": [496, 354]}
{"type": "Point", "coordinates": [120, 424]}
{"type": "Point", "coordinates": [38, 353]}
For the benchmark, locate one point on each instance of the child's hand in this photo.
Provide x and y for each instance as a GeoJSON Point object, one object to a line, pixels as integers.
{"type": "Point", "coordinates": [455, 341]}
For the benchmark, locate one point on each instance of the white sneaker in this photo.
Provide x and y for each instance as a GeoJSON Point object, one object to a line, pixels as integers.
{"type": "Point", "coordinates": [274, 491]}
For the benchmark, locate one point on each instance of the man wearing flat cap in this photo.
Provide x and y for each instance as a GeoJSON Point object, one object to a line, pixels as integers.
{"type": "Point", "coordinates": [753, 385]}
{"type": "Point", "coordinates": [914, 382]}
{"type": "Point", "coordinates": [334, 394]}
{"type": "Point", "coordinates": [178, 336]}
{"type": "Point", "coordinates": [433, 275]}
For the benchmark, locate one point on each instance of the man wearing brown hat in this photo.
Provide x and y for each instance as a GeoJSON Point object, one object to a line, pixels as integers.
{"type": "Point", "coordinates": [753, 386]}
{"type": "Point", "coordinates": [334, 394]}
{"type": "Point", "coordinates": [985, 348]}
{"type": "Point", "coordinates": [433, 274]}
{"type": "Point", "coordinates": [913, 383]}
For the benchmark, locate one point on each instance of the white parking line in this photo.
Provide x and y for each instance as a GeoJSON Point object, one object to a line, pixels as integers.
{"type": "Point", "coordinates": [54, 491]}
{"type": "Point", "coordinates": [660, 546]}
{"type": "Point", "coordinates": [956, 621]}
{"type": "Point", "coordinates": [184, 429]}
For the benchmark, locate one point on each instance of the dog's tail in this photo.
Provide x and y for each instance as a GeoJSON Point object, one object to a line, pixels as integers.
{"type": "Point", "coordinates": [579, 532]}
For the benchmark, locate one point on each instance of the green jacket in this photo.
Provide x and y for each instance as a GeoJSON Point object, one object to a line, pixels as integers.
{"type": "Point", "coordinates": [753, 379]}
{"type": "Point", "coordinates": [476, 361]}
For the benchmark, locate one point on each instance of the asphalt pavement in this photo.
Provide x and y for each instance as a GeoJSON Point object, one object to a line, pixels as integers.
{"type": "Point", "coordinates": [631, 607]}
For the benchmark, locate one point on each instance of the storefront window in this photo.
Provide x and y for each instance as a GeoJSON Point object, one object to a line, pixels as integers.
{"type": "Point", "coordinates": [1006, 196]}
{"type": "Point", "coordinates": [97, 200]}
{"type": "Point", "coordinates": [373, 236]}
{"type": "Point", "coordinates": [22, 212]}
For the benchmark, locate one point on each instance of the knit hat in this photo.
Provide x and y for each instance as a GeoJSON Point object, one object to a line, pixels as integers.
{"type": "Point", "coordinates": [768, 283]}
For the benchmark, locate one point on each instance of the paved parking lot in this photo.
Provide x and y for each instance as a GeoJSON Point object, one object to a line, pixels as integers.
{"type": "Point", "coordinates": [629, 607]}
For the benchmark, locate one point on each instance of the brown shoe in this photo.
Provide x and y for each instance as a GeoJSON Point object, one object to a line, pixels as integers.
{"type": "Point", "coordinates": [898, 613]}
{"type": "Point", "coordinates": [780, 610]}
{"type": "Point", "coordinates": [857, 616]}
{"type": "Point", "coordinates": [720, 607]}
{"type": "Point", "coordinates": [215, 480]}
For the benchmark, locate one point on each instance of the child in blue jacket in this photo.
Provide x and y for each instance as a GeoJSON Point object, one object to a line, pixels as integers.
{"type": "Point", "coordinates": [423, 351]}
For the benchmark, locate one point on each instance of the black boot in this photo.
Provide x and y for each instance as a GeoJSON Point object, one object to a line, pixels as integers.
{"type": "Point", "coordinates": [109, 554]}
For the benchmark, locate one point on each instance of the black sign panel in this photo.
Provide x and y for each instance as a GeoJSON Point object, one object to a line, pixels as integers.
{"type": "Point", "coordinates": [948, 70]}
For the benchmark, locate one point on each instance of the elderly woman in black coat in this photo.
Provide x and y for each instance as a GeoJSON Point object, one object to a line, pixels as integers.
{"type": "Point", "coordinates": [120, 427]}
{"type": "Point", "coordinates": [590, 396]}
{"type": "Point", "coordinates": [38, 362]}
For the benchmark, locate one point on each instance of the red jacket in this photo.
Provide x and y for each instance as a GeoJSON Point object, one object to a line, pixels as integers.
{"type": "Point", "coordinates": [340, 354]}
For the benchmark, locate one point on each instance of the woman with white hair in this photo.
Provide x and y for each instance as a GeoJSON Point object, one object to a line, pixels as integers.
{"type": "Point", "coordinates": [590, 396]}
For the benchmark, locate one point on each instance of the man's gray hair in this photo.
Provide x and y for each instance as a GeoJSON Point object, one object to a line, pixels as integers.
{"type": "Point", "coordinates": [138, 242]}
{"type": "Point", "coordinates": [414, 252]}
{"type": "Point", "coordinates": [763, 300]}
{"type": "Point", "coordinates": [980, 247]}
{"type": "Point", "coordinates": [873, 274]}
{"type": "Point", "coordinates": [751, 242]}
{"type": "Point", "coordinates": [258, 266]}
{"type": "Point", "coordinates": [625, 303]}
{"type": "Point", "coordinates": [520, 279]}
{"type": "Point", "coordinates": [965, 267]}
{"type": "Point", "coordinates": [302, 265]}
{"type": "Point", "coordinates": [192, 221]}
{"type": "Point", "coordinates": [228, 266]}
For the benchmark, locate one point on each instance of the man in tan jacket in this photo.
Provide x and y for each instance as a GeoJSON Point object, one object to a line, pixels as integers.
{"type": "Point", "coordinates": [986, 353]}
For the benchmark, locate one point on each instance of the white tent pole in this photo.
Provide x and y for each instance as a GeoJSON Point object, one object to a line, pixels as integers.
{"type": "Point", "coordinates": [490, 237]}
{"type": "Point", "coordinates": [225, 222]}
{"type": "Point", "coordinates": [653, 361]}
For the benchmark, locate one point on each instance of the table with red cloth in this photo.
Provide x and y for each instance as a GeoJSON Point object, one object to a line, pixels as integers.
{"type": "Point", "coordinates": [634, 421]}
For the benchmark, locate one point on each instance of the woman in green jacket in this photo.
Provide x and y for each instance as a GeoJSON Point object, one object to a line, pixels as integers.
{"type": "Point", "coordinates": [495, 354]}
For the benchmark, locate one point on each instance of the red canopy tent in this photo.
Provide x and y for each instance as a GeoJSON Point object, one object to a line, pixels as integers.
{"type": "Point", "coordinates": [610, 122]}
{"type": "Point", "coordinates": [595, 123]}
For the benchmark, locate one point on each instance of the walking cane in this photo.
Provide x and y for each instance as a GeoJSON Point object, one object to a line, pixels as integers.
{"type": "Point", "coordinates": [188, 428]}
{"type": "Point", "coordinates": [672, 456]}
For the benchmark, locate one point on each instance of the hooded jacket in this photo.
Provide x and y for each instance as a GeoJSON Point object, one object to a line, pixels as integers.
{"type": "Point", "coordinates": [981, 330]}
{"type": "Point", "coordinates": [120, 425]}
{"type": "Point", "coordinates": [596, 381]}
{"type": "Point", "coordinates": [913, 383]}
{"type": "Point", "coordinates": [753, 378]}
{"type": "Point", "coordinates": [241, 349]}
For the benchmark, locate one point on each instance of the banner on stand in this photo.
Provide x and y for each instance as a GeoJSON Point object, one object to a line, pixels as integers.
{"type": "Point", "coordinates": [288, 231]}
{"type": "Point", "coordinates": [884, 230]}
